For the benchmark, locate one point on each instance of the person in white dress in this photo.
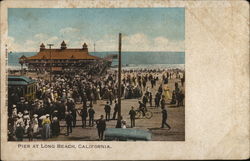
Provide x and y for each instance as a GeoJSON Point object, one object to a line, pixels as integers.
{"type": "Point", "coordinates": [35, 124]}
{"type": "Point", "coordinates": [123, 122]}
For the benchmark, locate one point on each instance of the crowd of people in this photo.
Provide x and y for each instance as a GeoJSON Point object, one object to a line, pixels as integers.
{"type": "Point", "coordinates": [59, 100]}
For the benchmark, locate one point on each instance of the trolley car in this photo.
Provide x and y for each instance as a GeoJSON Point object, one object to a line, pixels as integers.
{"type": "Point", "coordinates": [22, 86]}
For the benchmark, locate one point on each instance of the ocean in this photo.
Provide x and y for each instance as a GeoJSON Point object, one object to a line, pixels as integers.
{"type": "Point", "coordinates": [130, 60]}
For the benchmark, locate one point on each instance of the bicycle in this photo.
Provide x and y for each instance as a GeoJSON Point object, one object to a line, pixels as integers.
{"type": "Point", "coordinates": [139, 114]}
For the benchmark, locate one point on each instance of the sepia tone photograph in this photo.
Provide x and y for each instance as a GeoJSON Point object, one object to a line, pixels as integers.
{"type": "Point", "coordinates": [96, 74]}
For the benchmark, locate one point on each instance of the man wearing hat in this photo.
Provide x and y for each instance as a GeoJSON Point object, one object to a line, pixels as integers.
{"type": "Point", "coordinates": [107, 109]}
{"type": "Point", "coordinates": [91, 112]}
{"type": "Point", "coordinates": [115, 110]}
{"type": "Point", "coordinates": [74, 114]}
{"type": "Point", "coordinates": [68, 119]}
{"type": "Point", "coordinates": [62, 109]}
{"type": "Point", "coordinates": [84, 99]}
{"type": "Point", "coordinates": [84, 115]}
{"type": "Point", "coordinates": [101, 126]}
{"type": "Point", "coordinates": [132, 114]}
{"type": "Point", "coordinates": [164, 118]}
{"type": "Point", "coordinates": [30, 131]}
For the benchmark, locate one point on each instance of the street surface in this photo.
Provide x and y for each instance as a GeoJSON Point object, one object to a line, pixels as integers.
{"type": "Point", "coordinates": [176, 119]}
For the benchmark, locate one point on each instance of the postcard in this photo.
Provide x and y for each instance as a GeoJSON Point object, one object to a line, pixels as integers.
{"type": "Point", "coordinates": [115, 80]}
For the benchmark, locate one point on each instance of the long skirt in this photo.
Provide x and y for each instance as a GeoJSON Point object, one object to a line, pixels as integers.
{"type": "Point", "coordinates": [167, 95]}
{"type": "Point", "coordinates": [35, 128]}
{"type": "Point", "coordinates": [46, 131]}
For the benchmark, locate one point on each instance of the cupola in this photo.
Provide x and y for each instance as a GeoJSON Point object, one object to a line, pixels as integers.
{"type": "Point", "coordinates": [42, 47]}
{"type": "Point", "coordinates": [63, 45]}
{"type": "Point", "coordinates": [85, 47]}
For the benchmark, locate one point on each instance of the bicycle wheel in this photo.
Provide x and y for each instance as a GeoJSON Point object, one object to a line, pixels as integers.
{"type": "Point", "coordinates": [148, 114]}
{"type": "Point", "coordinates": [137, 114]}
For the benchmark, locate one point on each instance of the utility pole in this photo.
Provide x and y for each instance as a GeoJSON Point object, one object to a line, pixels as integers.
{"type": "Point", "coordinates": [50, 61]}
{"type": "Point", "coordinates": [119, 79]}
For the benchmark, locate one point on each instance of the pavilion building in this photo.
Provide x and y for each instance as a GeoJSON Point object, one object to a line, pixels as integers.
{"type": "Point", "coordinates": [60, 59]}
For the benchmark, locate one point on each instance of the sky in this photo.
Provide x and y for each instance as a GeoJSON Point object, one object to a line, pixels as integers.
{"type": "Point", "coordinates": [143, 29]}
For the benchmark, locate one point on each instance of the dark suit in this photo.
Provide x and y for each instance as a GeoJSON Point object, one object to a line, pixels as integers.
{"type": "Point", "coordinates": [132, 117]}
{"type": "Point", "coordinates": [69, 120]}
{"type": "Point", "coordinates": [91, 116]}
{"type": "Point", "coordinates": [84, 115]}
{"type": "Point", "coordinates": [115, 110]}
{"type": "Point", "coordinates": [101, 126]}
{"type": "Point", "coordinates": [107, 109]}
{"type": "Point", "coordinates": [73, 110]}
{"type": "Point", "coordinates": [164, 118]}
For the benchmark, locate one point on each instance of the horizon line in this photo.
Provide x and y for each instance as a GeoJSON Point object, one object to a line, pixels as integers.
{"type": "Point", "coordinates": [97, 51]}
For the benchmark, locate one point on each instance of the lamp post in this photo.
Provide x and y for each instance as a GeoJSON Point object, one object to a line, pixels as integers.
{"type": "Point", "coordinates": [50, 61]}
